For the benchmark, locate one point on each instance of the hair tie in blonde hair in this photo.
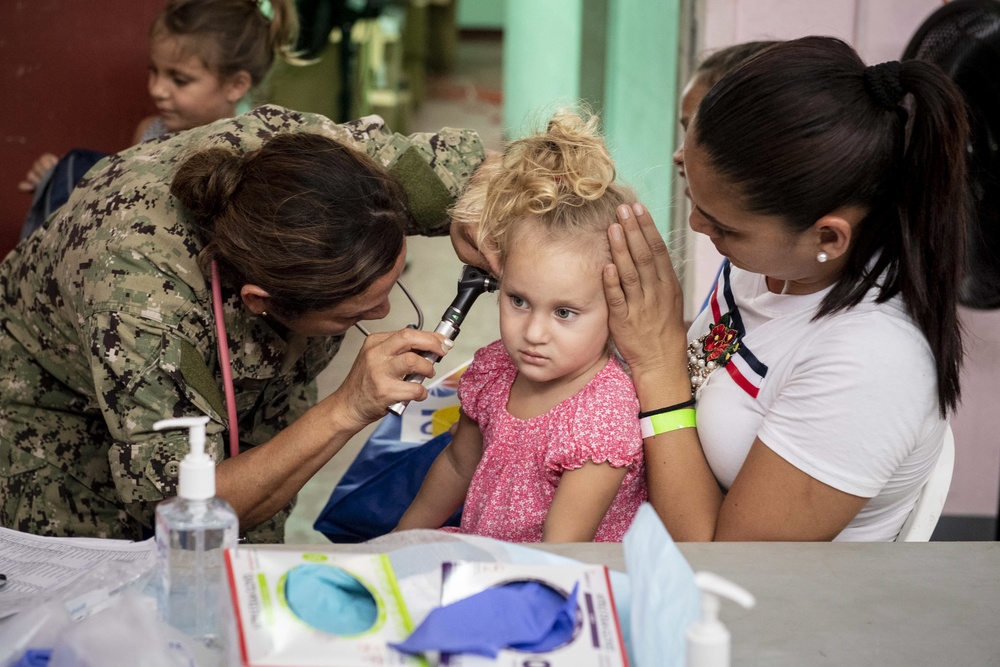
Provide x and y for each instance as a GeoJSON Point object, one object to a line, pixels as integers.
{"type": "Point", "coordinates": [266, 9]}
{"type": "Point", "coordinates": [884, 84]}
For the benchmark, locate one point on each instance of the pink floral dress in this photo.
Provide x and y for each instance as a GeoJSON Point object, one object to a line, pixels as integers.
{"type": "Point", "coordinates": [523, 460]}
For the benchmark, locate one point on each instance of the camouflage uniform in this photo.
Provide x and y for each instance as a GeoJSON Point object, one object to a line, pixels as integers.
{"type": "Point", "coordinates": [106, 327]}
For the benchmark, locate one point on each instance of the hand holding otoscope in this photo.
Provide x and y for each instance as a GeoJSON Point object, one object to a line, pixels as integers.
{"type": "Point", "coordinates": [471, 284]}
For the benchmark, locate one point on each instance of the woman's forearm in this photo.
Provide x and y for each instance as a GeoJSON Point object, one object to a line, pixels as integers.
{"type": "Point", "coordinates": [682, 488]}
{"type": "Point", "coordinates": [263, 480]}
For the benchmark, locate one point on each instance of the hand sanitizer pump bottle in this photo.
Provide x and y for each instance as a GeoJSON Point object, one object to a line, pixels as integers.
{"type": "Point", "coordinates": [708, 640]}
{"type": "Point", "coordinates": [192, 532]}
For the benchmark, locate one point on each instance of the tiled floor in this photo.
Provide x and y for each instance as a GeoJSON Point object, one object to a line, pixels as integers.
{"type": "Point", "coordinates": [467, 98]}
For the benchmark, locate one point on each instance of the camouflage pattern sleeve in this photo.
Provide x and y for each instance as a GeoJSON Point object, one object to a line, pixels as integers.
{"type": "Point", "coordinates": [433, 167]}
{"type": "Point", "coordinates": [136, 366]}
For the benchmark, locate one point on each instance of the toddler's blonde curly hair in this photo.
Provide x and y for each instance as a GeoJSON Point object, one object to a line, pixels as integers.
{"type": "Point", "coordinates": [561, 181]}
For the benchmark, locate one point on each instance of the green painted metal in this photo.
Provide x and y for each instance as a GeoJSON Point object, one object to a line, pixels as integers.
{"type": "Point", "coordinates": [541, 61]}
{"type": "Point", "coordinates": [620, 57]}
{"type": "Point", "coordinates": [640, 119]}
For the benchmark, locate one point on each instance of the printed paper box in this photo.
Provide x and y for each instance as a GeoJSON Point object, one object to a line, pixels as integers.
{"type": "Point", "coordinates": [270, 634]}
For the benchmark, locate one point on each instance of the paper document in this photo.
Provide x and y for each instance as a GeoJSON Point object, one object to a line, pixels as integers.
{"type": "Point", "coordinates": [39, 567]}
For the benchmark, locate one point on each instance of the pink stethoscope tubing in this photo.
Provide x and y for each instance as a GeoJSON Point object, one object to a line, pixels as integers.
{"type": "Point", "coordinates": [227, 369]}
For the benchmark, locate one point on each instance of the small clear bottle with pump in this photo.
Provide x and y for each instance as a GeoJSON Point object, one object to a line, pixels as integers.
{"type": "Point", "coordinates": [192, 532]}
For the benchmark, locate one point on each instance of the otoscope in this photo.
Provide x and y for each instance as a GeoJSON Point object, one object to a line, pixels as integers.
{"type": "Point", "coordinates": [471, 284]}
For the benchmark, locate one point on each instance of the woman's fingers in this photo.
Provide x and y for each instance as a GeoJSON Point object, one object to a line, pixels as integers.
{"type": "Point", "coordinates": [646, 247]}
{"type": "Point", "coordinates": [464, 240]}
{"type": "Point", "coordinates": [376, 380]}
{"type": "Point", "coordinates": [659, 258]}
{"type": "Point", "coordinates": [645, 302]}
{"type": "Point", "coordinates": [37, 171]}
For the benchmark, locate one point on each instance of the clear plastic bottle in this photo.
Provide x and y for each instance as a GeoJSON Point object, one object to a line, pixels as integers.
{"type": "Point", "coordinates": [193, 531]}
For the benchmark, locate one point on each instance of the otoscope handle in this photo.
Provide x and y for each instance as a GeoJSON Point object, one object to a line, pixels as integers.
{"type": "Point", "coordinates": [473, 282]}
{"type": "Point", "coordinates": [450, 331]}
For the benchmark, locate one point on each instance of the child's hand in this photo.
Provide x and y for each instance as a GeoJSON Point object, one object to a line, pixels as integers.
{"type": "Point", "coordinates": [37, 171]}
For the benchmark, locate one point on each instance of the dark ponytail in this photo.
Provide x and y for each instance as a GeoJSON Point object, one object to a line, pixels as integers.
{"type": "Point", "coordinates": [805, 129]}
{"type": "Point", "coordinates": [934, 210]}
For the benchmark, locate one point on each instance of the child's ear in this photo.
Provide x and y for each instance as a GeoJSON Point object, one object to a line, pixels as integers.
{"type": "Point", "coordinates": [238, 85]}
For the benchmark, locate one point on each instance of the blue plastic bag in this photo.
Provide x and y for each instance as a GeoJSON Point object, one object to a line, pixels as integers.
{"type": "Point", "coordinates": [380, 485]}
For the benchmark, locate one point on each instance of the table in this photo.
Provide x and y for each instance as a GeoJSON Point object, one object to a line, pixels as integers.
{"type": "Point", "coordinates": [932, 603]}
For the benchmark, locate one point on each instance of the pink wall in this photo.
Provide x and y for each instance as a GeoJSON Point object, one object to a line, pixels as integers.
{"type": "Point", "coordinates": [880, 30]}
{"type": "Point", "coordinates": [73, 74]}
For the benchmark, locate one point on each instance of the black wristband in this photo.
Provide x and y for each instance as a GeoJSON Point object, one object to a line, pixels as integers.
{"type": "Point", "coordinates": [679, 406]}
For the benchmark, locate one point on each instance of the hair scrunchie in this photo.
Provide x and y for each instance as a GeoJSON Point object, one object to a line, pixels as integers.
{"type": "Point", "coordinates": [266, 9]}
{"type": "Point", "coordinates": [884, 84]}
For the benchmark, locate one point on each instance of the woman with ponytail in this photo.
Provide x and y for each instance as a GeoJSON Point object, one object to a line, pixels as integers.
{"type": "Point", "coordinates": [827, 360]}
{"type": "Point", "coordinates": [212, 273]}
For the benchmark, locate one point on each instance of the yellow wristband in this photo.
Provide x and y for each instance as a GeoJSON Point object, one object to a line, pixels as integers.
{"type": "Point", "coordinates": [666, 422]}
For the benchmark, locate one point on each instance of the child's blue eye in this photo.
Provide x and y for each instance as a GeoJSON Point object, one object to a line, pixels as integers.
{"type": "Point", "coordinates": [516, 301]}
{"type": "Point", "coordinates": [564, 313]}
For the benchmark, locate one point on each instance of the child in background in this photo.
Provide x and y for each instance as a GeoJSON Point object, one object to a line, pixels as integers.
{"type": "Point", "coordinates": [548, 445]}
{"type": "Point", "coordinates": [707, 74]}
{"type": "Point", "coordinates": [205, 56]}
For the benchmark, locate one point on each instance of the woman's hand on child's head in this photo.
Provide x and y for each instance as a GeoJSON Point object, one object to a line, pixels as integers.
{"type": "Point", "coordinates": [464, 239]}
{"type": "Point", "coordinates": [645, 300]}
{"type": "Point", "coordinates": [466, 216]}
{"type": "Point", "coordinates": [37, 171]}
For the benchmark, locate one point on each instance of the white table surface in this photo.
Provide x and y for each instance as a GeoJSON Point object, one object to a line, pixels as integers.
{"type": "Point", "coordinates": [932, 603]}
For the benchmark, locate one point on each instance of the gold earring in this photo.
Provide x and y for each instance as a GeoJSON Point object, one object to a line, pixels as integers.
{"type": "Point", "coordinates": [263, 313]}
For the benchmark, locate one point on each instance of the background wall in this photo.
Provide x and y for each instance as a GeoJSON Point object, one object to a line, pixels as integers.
{"type": "Point", "coordinates": [481, 14]}
{"type": "Point", "coordinates": [620, 57]}
{"type": "Point", "coordinates": [73, 74]}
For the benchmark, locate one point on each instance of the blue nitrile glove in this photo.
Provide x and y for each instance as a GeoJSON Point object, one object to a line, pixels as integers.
{"type": "Point", "coordinates": [34, 657]}
{"type": "Point", "coordinates": [329, 599]}
{"type": "Point", "coordinates": [528, 616]}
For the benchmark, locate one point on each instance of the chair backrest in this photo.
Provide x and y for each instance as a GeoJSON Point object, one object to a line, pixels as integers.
{"type": "Point", "coordinates": [925, 514]}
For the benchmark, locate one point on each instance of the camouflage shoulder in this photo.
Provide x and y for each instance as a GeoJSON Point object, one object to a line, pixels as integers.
{"type": "Point", "coordinates": [453, 154]}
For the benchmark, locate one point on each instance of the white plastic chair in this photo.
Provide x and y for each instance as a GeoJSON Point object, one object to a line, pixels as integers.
{"type": "Point", "coordinates": [925, 514]}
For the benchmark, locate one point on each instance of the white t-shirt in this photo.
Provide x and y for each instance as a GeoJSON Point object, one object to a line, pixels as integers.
{"type": "Point", "coordinates": [850, 399]}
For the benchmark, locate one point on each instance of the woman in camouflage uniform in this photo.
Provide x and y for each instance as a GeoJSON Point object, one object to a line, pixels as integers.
{"type": "Point", "coordinates": [106, 323]}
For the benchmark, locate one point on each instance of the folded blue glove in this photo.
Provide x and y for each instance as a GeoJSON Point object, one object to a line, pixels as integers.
{"type": "Point", "coordinates": [527, 616]}
{"type": "Point", "coordinates": [34, 657]}
{"type": "Point", "coordinates": [329, 599]}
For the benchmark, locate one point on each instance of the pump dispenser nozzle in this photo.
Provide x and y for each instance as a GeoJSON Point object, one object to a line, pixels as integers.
{"type": "Point", "coordinates": [197, 470]}
{"type": "Point", "coordinates": [708, 641]}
